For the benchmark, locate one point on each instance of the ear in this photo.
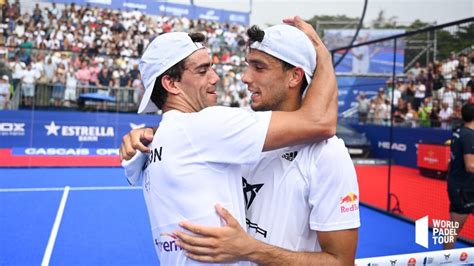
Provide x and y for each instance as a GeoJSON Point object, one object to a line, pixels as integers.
{"type": "Point", "coordinates": [169, 85]}
{"type": "Point", "coordinates": [296, 78]}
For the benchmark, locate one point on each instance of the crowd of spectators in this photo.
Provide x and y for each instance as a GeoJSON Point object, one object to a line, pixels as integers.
{"type": "Point", "coordinates": [77, 48]}
{"type": "Point", "coordinates": [429, 96]}
{"type": "Point", "coordinates": [72, 50]}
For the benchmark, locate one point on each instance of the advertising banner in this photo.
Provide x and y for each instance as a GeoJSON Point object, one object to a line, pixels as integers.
{"type": "Point", "coordinates": [54, 129]}
{"type": "Point", "coordinates": [405, 141]}
{"type": "Point", "coordinates": [165, 8]}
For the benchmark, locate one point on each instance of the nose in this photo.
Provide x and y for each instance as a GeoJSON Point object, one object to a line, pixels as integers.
{"type": "Point", "coordinates": [246, 77]}
{"type": "Point", "coordinates": [214, 78]}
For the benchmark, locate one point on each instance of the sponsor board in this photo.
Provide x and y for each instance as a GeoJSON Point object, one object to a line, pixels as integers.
{"type": "Point", "coordinates": [65, 151]}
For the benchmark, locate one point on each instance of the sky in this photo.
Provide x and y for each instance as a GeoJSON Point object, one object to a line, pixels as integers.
{"type": "Point", "coordinates": [272, 11]}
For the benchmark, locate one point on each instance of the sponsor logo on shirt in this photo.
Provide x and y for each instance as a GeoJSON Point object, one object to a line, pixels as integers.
{"type": "Point", "coordinates": [349, 203]}
{"type": "Point", "coordinates": [290, 156]}
{"type": "Point", "coordinates": [167, 246]}
{"type": "Point", "coordinates": [83, 133]}
{"type": "Point", "coordinates": [411, 262]}
{"type": "Point", "coordinates": [155, 155]}
{"type": "Point", "coordinates": [255, 226]}
{"type": "Point", "coordinates": [250, 192]}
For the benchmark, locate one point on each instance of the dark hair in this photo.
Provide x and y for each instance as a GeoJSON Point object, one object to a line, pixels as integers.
{"type": "Point", "coordinates": [159, 94]}
{"type": "Point", "coordinates": [255, 34]}
{"type": "Point", "coordinates": [467, 112]}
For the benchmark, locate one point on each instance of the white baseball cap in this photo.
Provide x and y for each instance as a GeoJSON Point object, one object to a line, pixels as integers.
{"type": "Point", "coordinates": [291, 45]}
{"type": "Point", "coordinates": [161, 54]}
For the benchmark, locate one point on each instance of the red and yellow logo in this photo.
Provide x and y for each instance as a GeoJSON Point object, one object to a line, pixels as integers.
{"type": "Point", "coordinates": [350, 199]}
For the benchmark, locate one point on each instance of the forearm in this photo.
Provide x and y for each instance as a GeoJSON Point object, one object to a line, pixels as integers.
{"type": "Point", "coordinates": [264, 254]}
{"type": "Point", "coordinates": [320, 103]}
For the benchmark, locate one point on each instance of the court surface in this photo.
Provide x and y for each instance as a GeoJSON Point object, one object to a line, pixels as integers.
{"type": "Point", "coordinates": [90, 216]}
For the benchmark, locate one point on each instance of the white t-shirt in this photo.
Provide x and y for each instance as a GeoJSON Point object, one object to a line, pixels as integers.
{"type": "Point", "coordinates": [195, 163]}
{"type": "Point", "coordinates": [293, 192]}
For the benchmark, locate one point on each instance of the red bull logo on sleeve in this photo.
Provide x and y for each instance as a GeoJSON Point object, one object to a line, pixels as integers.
{"type": "Point", "coordinates": [349, 203]}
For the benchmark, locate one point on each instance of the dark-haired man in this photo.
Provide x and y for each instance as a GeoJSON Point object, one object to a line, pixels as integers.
{"type": "Point", "coordinates": [299, 198]}
{"type": "Point", "coordinates": [461, 172]}
{"type": "Point", "coordinates": [196, 160]}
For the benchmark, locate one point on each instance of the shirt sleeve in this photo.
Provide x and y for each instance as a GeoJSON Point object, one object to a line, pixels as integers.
{"type": "Point", "coordinates": [333, 192]}
{"type": "Point", "coordinates": [229, 135]}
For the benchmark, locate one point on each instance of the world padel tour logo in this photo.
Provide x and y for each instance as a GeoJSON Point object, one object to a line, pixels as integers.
{"type": "Point", "coordinates": [349, 203]}
{"type": "Point", "coordinates": [443, 231]}
{"type": "Point", "coordinates": [83, 133]}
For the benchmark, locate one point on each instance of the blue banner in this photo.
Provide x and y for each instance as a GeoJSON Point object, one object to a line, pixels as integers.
{"type": "Point", "coordinates": [66, 151]}
{"type": "Point", "coordinates": [405, 141]}
{"type": "Point", "coordinates": [53, 129]}
{"type": "Point", "coordinates": [165, 8]}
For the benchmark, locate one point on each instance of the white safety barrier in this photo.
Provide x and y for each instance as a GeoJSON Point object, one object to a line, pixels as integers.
{"type": "Point", "coordinates": [443, 257]}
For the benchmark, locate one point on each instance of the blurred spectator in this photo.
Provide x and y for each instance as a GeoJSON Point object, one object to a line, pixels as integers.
{"type": "Point", "coordinates": [49, 70]}
{"type": "Point", "coordinates": [382, 111]}
{"type": "Point", "coordinates": [28, 82]}
{"type": "Point", "coordinates": [362, 107]}
{"type": "Point", "coordinates": [59, 81]}
{"type": "Point", "coordinates": [37, 14]}
{"type": "Point", "coordinates": [4, 92]}
{"type": "Point", "coordinates": [381, 96]}
{"type": "Point", "coordinates": [94, 72]}
{"type": "Point", "coordinates": [445, 116]}
{"type": "Point", "coordinates": [399, 113]}
{"type": "Point", "coordinates": [411, 116]}
{"type": "Point", "coordinates": [438, 85]}
{"type": "Point", "coordinates": [465, 96]}
{"type": "Point", "coordinates": [449, 67]}
{"type": "Point", "coordinates": [409, 94]}
{"type": "Point", "coordinates": [434, 117]}
{"type": "Point", "coordinates": [420, 90]}
{"type": "Point", "coordinates": [138, 88]}
{"type": "Point", "coordinates": [456, 84]}
{"type": "Point", "coordinates": [70, 96]}
{"type": "Point", "coordinates": [17, 68]}
{"type": "Point", "coordinates": [104, 78]}
{"type": "Point", "coordinates": [449, 96]}
{"type": "Point", "coordinates": [83, 76]}
{"type": "Point", "coordinates": [424, 112]}
{"type": "Point", "coordinates": [415, 70]}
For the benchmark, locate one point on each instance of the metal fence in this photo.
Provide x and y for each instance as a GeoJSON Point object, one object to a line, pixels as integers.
{"type": "Point", "coordinates": [447, 65]}
{"type": "Point", "coordinates": [85, 98]}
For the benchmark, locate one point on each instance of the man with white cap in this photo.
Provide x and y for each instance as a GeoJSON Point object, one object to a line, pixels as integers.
{"type": "Point", "coordinates": [302, 199]}
{"type": "Point", "coordinates": [195, 162]}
